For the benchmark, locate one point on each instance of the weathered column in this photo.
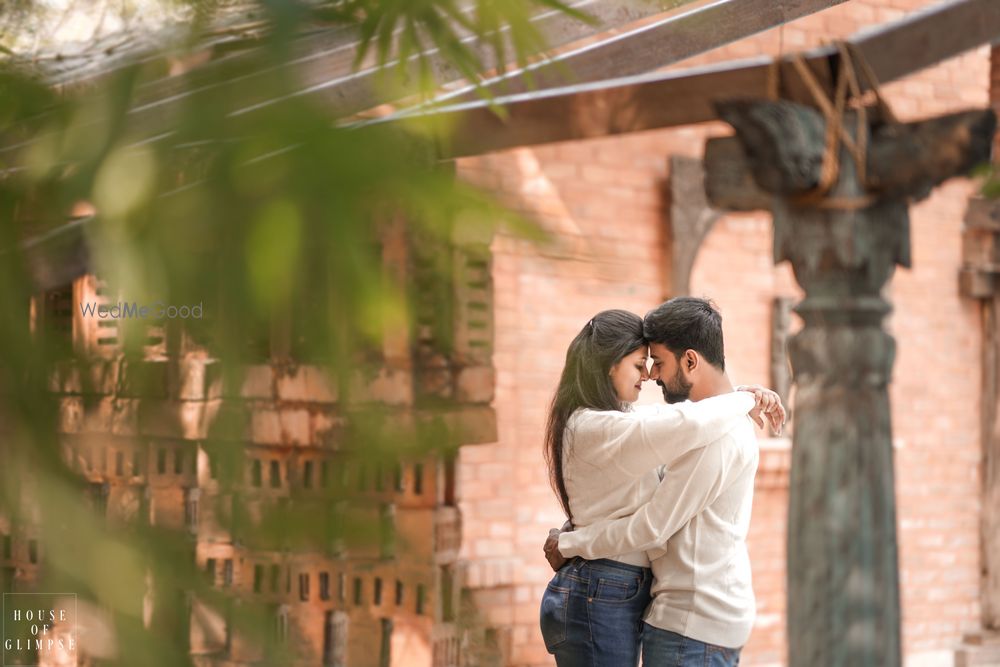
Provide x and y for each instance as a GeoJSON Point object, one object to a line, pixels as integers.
{"type": "Point", "coordinates": [844, 244]}
{"type": "Point", "coordinates": [980, 279]}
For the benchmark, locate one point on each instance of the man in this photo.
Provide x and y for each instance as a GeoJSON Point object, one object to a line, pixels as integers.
{"type": "Point", "coordinates": [703, 605]}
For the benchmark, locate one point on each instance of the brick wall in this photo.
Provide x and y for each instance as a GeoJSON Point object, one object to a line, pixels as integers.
{"type": "Point", "coordinates": [601, 201]}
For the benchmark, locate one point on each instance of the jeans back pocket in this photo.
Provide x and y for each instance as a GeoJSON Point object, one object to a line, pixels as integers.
{"type": "Point", "coordinates": [555, 602]}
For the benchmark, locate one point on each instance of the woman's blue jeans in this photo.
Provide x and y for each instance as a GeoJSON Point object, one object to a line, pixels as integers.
{"type": "Point", "coordinates": [592, 613]}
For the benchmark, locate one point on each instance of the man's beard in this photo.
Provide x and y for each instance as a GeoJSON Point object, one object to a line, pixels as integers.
{"type": "Point", "coordinates": [676, 389]}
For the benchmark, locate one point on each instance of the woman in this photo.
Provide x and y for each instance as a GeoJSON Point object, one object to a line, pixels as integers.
{"type": "Point", "coordinates": [591, 612]}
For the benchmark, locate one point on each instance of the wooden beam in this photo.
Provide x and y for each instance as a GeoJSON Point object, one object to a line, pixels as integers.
{"type": "Point", "coordinates": [670, 39]}
{"type": "Point", "coordinates": [660, 100]}
{"type": "Point", "coordinates": [592, 111]}
{"type": "Point", "coordinates": [332, 82]}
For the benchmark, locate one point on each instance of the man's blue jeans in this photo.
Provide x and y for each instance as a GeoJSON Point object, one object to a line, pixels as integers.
{"type": "Point", "coordinates": [662, 648]}
{"type": "Point", "coordinates": [592, 612]}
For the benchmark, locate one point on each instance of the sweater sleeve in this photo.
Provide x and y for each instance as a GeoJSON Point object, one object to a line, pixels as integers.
{"type": "Point", "coordinates": [637, 442]}
{"type": "Point", "coordinates": [691, 485]}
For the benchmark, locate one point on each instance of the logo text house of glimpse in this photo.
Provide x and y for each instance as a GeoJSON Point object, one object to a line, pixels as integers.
{"type": "Point", "coordinates": [39, 628]}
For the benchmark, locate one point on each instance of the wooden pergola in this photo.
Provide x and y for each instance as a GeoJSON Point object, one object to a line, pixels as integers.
{"type": "Point", "coordinates": [625, 37]}
{"type": "Point", "coordinates": [844, 233]}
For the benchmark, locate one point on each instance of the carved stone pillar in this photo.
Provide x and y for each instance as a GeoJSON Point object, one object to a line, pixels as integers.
{"type": "Point", "coordinates": [844, 244]}
{"type": "Point", "coordinates": [842, 556]}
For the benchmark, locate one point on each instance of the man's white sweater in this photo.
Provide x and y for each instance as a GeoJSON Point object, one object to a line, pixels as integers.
{"type": "Point", "coordinates": [702, 584]}
{"type": "Point", "coordinates": [611, 458]}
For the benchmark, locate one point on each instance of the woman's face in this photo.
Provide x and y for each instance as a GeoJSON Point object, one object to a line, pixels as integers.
{"type": "Point", "coordinates": [628, 375]}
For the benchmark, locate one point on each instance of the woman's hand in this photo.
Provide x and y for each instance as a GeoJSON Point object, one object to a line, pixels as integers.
{"type": "Point", "coordinates": [768, 406]}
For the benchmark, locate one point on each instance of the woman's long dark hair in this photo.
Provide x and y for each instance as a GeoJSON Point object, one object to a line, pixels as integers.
{"type": "Point", "coordinates": [586, 382]}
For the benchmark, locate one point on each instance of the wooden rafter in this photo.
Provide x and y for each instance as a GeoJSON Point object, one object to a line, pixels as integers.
{"type": "Point", "coordinates": [327, 71]}
{"type": "Point", "coordinates": [670, 39]}
{"type": "Point", "coordinates": [653, 101]}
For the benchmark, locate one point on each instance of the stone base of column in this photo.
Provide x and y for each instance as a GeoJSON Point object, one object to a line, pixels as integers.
{"type": "Point", "coordinates": [979, 649]}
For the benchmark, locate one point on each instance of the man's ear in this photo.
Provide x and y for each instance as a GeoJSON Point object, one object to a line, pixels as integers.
{"type": "Point", "coordinates": [690, 361]}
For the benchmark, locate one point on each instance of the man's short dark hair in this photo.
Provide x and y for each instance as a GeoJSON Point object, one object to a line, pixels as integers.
{"type": "Point", "coordinates": [687, 323]}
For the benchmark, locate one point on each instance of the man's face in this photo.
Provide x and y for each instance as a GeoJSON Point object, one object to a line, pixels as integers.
{"type": "Point", "coordinates": [667, 372]}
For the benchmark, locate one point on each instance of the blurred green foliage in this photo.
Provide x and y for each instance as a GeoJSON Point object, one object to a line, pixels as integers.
{"type": "Point", "coordinates": [262, 216]}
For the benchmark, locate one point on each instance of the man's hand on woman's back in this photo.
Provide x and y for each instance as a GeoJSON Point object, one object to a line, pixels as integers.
{"type": "Point", "coordinates": [551, 547]}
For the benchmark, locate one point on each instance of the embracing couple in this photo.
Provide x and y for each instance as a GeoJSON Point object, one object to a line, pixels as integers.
{"type": "Point", "coordinates": [657, 497]}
